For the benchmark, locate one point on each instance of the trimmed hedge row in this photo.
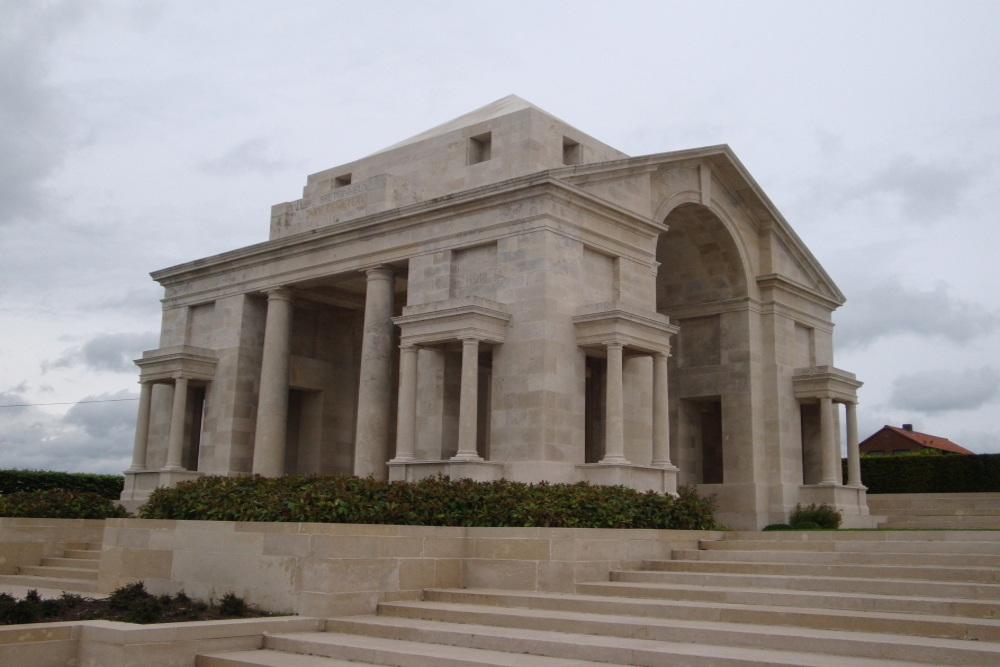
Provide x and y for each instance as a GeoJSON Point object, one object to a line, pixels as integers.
{"type": "Point", "coordinates": [14, 481]}
{"type": "Point", "coordinates": [437, 501]}
{"type": "Point", "coordinates": [931, 474]}
{"type": "Point", "coordinates": [59, 504]}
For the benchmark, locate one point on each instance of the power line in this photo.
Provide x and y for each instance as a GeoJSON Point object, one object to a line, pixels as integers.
{"type": "Point", "coordinates": [36, 405]}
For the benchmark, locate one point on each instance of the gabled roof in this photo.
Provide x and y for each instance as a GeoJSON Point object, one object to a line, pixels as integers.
{"type": "Point", "coordinates": [922, 439]}
{"type": "Point", "coordinates": [502, 107]}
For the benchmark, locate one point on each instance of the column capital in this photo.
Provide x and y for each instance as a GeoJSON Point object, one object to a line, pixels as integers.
{"type": "Point", "coordinates": [279, 293]}
{"type": "Point", "coordinates": [380, 272]}
{"type": "Point", "coordinates": [613, 344]}
{"type": "Point", "coordinates": [409, 347]}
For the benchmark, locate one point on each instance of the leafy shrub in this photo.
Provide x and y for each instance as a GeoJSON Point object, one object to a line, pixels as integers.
{"type": "Point", "coordinates": [814, 516]}
{"type": "Point", "coordinates": [14, 481]}
{"type": "Point", "coordinates": [125, 596]}
{"type": "Point", "coordinates": [59, 504]}
{"type": "Point", "coordinates": [232, 605]}
{"type": "Point", "coordinates": [437, 501]}
{"type": "Point", "coordinates": [777, 526]}
{"type": "Point", "coordinates": [145, 610]}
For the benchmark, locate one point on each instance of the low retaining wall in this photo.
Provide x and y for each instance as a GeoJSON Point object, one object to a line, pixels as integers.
{"type": "Point", "coordinates": [338, 569]}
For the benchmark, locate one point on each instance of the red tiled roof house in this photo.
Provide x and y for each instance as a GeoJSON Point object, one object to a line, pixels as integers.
{"type": "Point", "coordinates": [892, 440]}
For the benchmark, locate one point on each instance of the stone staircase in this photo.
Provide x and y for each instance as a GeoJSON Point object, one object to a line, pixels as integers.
{"type": "Point", "coordinates": [793, 598]}
{"type": "Point", "coordinates": [74, 571]}
{"type": "Point", "coordinates": [937, 510]}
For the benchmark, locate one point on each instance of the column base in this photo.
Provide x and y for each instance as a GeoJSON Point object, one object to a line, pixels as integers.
{"type": "Point", "coordinates": [476, 470]}
{"type": "Point", "coordinates": [467, 457]}
{"type": "Point", "coordinates": [614, 460]}
{"type": "Point", "coordinates": [640, 478]}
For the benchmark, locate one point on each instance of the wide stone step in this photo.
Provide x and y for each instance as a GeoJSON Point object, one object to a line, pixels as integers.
{"type": "Point", "coordinates": [58, 572]}
{"type": "Point", "coordinates": [55, 583]}
{"type": "Point", "coordinates": [720, 633]}
{"type": "Point", "coordinates": [828, 619]}
{"type": "Point", "coordinates": [964, 522]}
{"type": "Point", "coordinates": [378, 650]}
{"type": "Point", "coordinates": [837, 557]}
{"type": "Point", "coordinates": [975, 591]}
{"type": "Point", "coordinates": [846, 536]}
{"type": "Point", "coordinates": [577, 646]}
{"type": "Point", "coordinates": [75, 563]}
{"type": "Point", "coordinates": [920, 572]}
{"type": "Point", "coordinates": [268, 658]}
{"type": "Point", "coordinates": [82, 554]}
{"type": "Point", "coordinates": [865, 602]}
{"type": "Point", "coordinates": [957, 547]}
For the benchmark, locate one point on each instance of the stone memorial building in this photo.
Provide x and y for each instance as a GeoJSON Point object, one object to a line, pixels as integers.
{"type": "Point", "coordinates": [506, 296]}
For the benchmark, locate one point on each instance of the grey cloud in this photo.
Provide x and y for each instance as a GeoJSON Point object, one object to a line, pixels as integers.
{"type": "Point", "coordinates": [107, 352]}
{"type": "Point", "coordinates": [34, 128]}
{"type": "Point", "coordinates": [933, 392]}
{"type": "Point", "coordinates": [247, 157]}
{"type": "Point", "coordinates": [32, 438]}
{"type": "Point", "coordinates": [924, 191]}
{"type": "Point", "coordinates": [104, 420]}
{"type": "Point", "coordinates": [888, 308]}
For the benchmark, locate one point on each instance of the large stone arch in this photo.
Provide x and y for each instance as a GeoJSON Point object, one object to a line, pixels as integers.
{"type": "Point", "coordinates": [702, 259]}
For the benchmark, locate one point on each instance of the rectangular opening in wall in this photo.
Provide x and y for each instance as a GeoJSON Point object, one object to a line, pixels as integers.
{"type": "Point", "coordinates": [593, 407]}
{"type": "Point", "coordinates": [341, 181]}
{"type": "Point", "coordinates": [571, 151]}
{"type": "Point", "coordinates": [812, 454]}
{"type": "Point", "coordinates": [711, 442]}
{"type": "Point", "coordinates": [480, 148]}
{"type": "Point", "coordinates": [194, 419]}
{"type": "Point", "coordinates": [484, 407]}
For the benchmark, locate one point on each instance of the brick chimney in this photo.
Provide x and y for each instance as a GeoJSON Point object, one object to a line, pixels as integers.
{"type": "Point", "coordinates": [908, 427]}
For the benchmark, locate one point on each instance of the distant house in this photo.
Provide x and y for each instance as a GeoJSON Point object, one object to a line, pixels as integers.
{"type": "Point", "coordinates": [892, 440]}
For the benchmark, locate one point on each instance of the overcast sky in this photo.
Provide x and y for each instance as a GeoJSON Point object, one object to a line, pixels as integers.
{"type": "Point", "coordinates": [139, 135]}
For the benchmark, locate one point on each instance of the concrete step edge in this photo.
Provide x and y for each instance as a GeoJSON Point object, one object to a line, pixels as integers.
{"type": "Point", "coordinates": [269, 658]}
{"type": "Point", "coordinates": [73, 585]}
{"type": "Point", "coordinates": [749, 635]}
{"type": "Point", "coordinates": [930, 589]}
{"type": "Point", "coordinates": [957, 607]}
{"type": "Point", "coordinates": [636, 652]}
{"type": "Point", "coordinates": [934, 625]}
{"type": "Point", "coordinates": [402, 652]}
{"type": "Point", "coordinates": [58, 572]}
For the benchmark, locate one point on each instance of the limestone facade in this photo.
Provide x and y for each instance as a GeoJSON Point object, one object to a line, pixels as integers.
{"type": "Point", "coordinates": [506, 296]}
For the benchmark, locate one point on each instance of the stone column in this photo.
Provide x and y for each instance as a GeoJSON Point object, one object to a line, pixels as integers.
{"type": "Point", "coordinates": [468, 403]}
{"type": "Point", "coordinates": [272, 403]}
{"type": "Point", "coordinates": [371, 440]}
{"type": "Point", "coordinates": [614, 416]}
{"type": "Point", "coordinates": [661, 412]}
{"type": "Point", "coordinates": [175, 443]}
{"type": "Point", "coordinates": [828, 444]}
{"type": "Point", "coordinates": [142, 428]}
{"type": "Point", "coordinates": [853, 456]}
{"type": "Point", "coordinates": [406, 421]}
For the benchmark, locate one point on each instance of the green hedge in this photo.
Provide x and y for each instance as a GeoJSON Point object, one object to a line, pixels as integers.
{"type": "Point", "coordinates": [931, 474]}
{"type": "Point", "coordinates": [59, 504]}
{"type": "Point", "coordinates": [14, 481]}
{"type": "Point", "coordinates": [430, 502]}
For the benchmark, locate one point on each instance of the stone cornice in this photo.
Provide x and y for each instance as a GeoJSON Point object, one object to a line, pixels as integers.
{"type": "Point", "coordinates": [782, 283]}
{"type": "Point", "coordinates": [463, 203]}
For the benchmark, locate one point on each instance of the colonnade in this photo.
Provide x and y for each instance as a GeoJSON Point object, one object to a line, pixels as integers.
{"type": "Point", "coordinates": [614, 421]}
{"type": "Point", "coordinates": [828, 417]}
{"type": "Point", "coordinates": [175, 439]}
{"type": "Point", "coordinates": [468, 405]}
